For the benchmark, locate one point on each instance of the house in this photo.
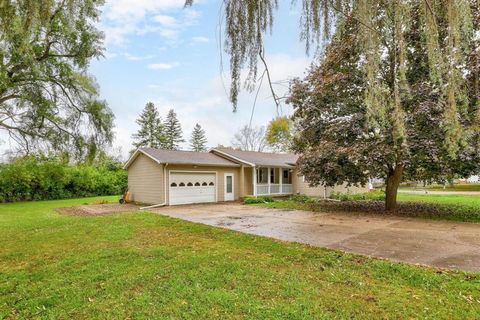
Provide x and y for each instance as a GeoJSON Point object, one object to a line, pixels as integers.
{"type": "Point", "coordinates": [180, 177]}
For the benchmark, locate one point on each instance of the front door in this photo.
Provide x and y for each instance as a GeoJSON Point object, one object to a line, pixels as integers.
{"type": "Point", "coordinates": [229, 187]}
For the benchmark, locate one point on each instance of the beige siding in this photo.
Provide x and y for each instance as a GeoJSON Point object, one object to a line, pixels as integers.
{"type": "Point", "coordinates": [301, 187]}
{"type": "Point", "coordinates": [248, 181]}
{"type": "Point", "coordinates": [220, 171]}
{"type": "Point", "coordinates": [145, 181]}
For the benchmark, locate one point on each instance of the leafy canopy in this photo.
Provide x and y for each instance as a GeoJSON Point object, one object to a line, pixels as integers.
{"type": "Point", "coordinates": [47, 100]}
{"type": "Point", "coordinates": [279, 135]}
{"type": "Point", "coordinates": [412, 122]}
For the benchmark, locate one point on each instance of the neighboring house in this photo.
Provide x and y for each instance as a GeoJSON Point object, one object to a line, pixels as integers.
{"type": "Point", "coordinates": [473, 179]}
{"type": "Point", "coordinates": [180, 177]}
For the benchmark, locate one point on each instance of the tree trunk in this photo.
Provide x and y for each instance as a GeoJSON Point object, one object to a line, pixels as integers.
{"type": "Point", "coordinates": [394, 178]}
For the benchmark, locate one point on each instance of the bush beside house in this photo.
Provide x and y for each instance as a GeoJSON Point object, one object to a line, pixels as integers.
{"type": "Point", "coordinates": [32, 179]}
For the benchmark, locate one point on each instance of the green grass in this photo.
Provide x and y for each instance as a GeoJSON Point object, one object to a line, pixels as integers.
{"type": "Point", "coordinates": [457, 187]}
{"type": "Point", "coordinates": [141, 265]}
{"type": "Point", "coordinates": [458, 200]}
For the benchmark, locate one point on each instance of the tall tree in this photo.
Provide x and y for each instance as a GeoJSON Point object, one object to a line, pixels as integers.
{"type": "Point", "coordinates": [198, 141]}
{"type": "Point", "coordinates": [47, 99]}
{"type": "Point", "coordinates": [279, 135]}
{"type": "Point", "coordinates": [173, 131]}
{"type": "Point", "coordinates": [413, 122]}
{"type": "Point", "coordinates": [444, 24]}
{"type": "Point", "coordinates": [151, 133]}
{"type": "Point", "coordinates": [250, 138]}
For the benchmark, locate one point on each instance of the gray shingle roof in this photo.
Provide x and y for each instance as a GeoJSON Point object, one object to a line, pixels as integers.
{"type": "Point", "coordinates": [263, 158]}
{"type": "Point", "coordinates": [187, 157]}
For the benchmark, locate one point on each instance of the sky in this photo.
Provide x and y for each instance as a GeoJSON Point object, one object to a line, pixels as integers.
{"type": "Point", "coordinates": [159, 51]}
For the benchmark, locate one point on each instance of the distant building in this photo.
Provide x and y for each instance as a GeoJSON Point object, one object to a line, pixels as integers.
{"type": "Point", "coordinates": [473, 179]}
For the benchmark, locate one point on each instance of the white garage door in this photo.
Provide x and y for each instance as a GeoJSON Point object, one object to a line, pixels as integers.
{"type": "Point", "coordinates": [192, 187]}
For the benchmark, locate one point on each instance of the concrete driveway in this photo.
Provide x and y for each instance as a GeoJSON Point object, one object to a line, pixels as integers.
{"type": "Point", "coordinates": [436, 243]}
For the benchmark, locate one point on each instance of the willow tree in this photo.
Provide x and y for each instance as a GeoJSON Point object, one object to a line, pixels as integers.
{"type": "Point", "coordinates": [448, 35]}
{"type": "Point", "coordinates": [47, 99]}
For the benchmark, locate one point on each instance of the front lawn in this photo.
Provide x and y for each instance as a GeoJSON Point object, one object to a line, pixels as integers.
{"type": "Point", "coordinates": [142, 265]}
{"type": "Point", "coordinates": [461, 200]}
{"type": "Point", "coordinates": [457, 187]}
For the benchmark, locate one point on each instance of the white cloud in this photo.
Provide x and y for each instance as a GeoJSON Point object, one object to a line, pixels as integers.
{"type": "Point", "coordinates": [166, 21]}
{"type": "Point", "coordinates": [123, 18]}
{"type": "Point", "coordinates": [137, 58]}
{"type": "Point", "coordinates": [162, 66]}
{"type": "Point", "coordinates": [200, 39]}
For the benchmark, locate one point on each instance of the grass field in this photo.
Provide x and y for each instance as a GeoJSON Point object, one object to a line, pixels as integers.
{"type": "Point", "coordinates": [457, 187]}
{"type": "Point", "coordinates": [462, 200]}
{"type": "Point", "coordinates": [141, 265]}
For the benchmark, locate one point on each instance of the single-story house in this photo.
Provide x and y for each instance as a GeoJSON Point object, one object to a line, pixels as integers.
{"type": "Point", "coordinates": [181, 177]}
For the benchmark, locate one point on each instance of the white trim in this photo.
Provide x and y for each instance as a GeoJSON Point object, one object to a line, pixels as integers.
{"type": "Point", "coordinates": [269, 174]}
{"type": "Point", "coordinates": [192, 171]}
{"type": "Point", "coordinates": [232, 157]}
{"type": "Point", "coordinates": [134, 156]}
{"type": "Point", "coordinates": [280, 179]}
{"type": "Point", "coordinates": [225, 175]}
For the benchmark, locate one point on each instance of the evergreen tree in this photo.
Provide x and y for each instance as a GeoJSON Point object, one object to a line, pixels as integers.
{"type": "Point", "coordinates": [198, 141]}
{"type": "Point", "coordinates": [151, 133]}
{"type": "Point", "coordinates": [173, 131]}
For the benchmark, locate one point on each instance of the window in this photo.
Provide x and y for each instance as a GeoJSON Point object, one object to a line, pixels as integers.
{"type": "Point", "coordinates": [287, 176]}
{"type": "Point", "coordinates": [173, 184]}
{"type": "Point", "coordinates": [204, 184]}
{"type": "Point", "coordinates": [181, 184]}
{"type": "Point", "coordinates": [189, 184]}
{"type": "Point", "coordinates": [211, 184]}
{"type": "Point", "coordinates": [229, 184]}
{"type": "Point", "coordinates": [197, 184]}
{"type": "Point", "coordinates": [262, 175]}
{"type": "Point", "coordinates": [272, 175]}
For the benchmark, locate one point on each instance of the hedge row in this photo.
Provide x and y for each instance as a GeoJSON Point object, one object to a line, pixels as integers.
{"type": "Point", "coordinates": [31, 179]}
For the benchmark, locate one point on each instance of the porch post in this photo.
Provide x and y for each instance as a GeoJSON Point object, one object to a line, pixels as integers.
{"type": "Point", "coordinates": [268, 177]}
{"type": "Point", "coordinates": [280, 179]}
{"type": "Point", "coordinates": [254, 177]}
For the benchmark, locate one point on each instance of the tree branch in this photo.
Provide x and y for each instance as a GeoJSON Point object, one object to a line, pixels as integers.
{"type": "Point", "coordinates": [275, 98]}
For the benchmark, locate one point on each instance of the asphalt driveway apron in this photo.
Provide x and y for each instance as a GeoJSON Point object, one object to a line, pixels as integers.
{"type": "Point", "coordinates": [442, 244]}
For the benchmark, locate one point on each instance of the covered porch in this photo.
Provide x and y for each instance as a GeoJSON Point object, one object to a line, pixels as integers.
{"type": "Point", "coordinates": [272, 181]}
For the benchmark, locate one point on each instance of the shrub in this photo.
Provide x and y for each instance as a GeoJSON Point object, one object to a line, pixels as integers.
{"type": "Point", "coordinates": [301, 198]}
{"type": "Point", "coordinates": [32, 179]}
{"type": "Point", "coordinates": [259, 199]}
{"type": "Point", "coordinates": [347, 196]}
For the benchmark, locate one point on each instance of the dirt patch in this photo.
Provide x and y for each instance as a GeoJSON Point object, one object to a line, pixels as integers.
{"type": "Point", "coordinates": [97, 209]}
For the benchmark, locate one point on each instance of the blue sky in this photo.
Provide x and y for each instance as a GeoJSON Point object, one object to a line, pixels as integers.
{"type": "Point", "coordinates": [158, 51]}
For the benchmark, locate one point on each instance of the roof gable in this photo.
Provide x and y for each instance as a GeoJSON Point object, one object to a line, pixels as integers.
{"type": "Point", "coordinates": [255, 158]}
{"type": "Point", "coordinates": [182, 157]}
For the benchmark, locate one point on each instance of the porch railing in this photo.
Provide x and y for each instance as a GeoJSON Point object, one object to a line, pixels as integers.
{"type": "Point", "coordinates": [265, 189]}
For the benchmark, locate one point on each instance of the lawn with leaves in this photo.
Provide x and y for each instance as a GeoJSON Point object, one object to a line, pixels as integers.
{"type": "Point", "coordinates": [142, 265]}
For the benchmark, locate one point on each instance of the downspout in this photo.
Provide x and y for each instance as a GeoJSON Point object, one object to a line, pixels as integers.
{"type": "Point", "coordinates": [165, 191]}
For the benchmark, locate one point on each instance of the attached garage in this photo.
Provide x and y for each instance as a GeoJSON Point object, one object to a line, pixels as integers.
{"type": "Point", "coordinates": [192, 187]}
{"type": "Point", "coordinates": [168, 177]}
